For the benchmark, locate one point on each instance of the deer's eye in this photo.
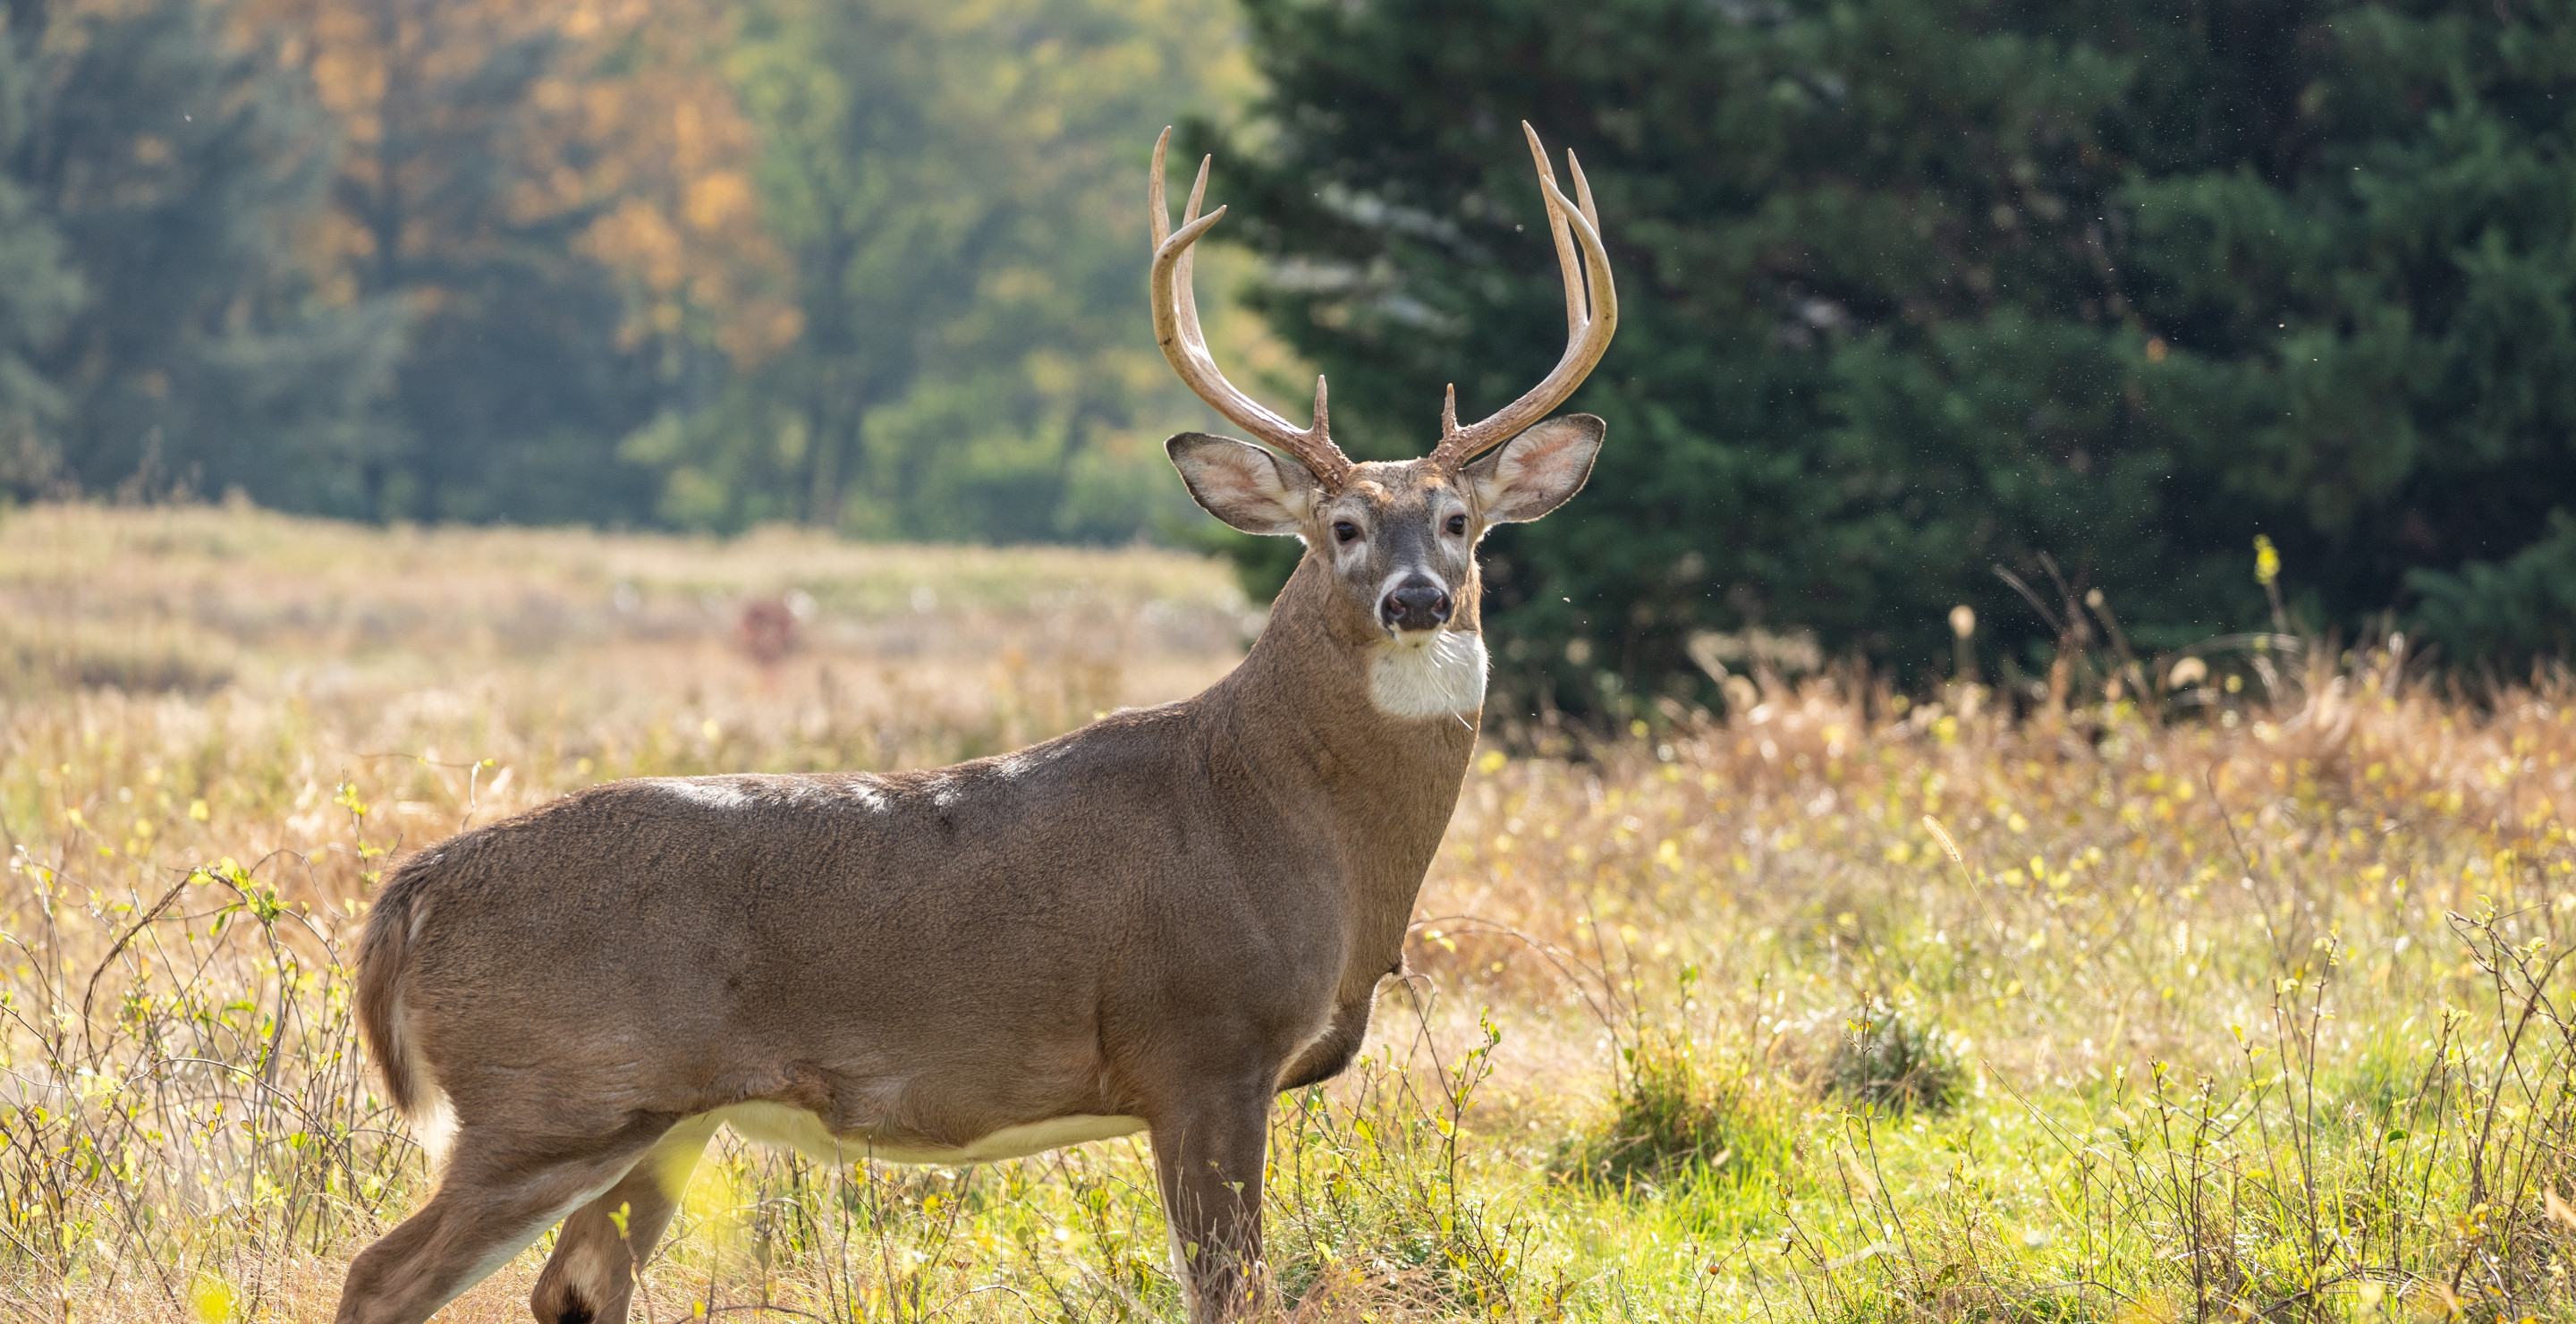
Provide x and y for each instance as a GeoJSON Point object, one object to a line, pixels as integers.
{"type": "Point", "coordinates": [1457, 526]}
{"type": "Point", "coordinates": [1344, 530]}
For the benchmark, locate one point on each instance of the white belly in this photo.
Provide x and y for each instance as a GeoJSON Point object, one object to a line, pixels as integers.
{"type": "Point", "coordinates": [795, 1128]}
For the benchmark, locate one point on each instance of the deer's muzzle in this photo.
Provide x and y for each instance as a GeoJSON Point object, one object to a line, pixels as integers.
{"type": "Point", "coordinates": [1416, 603]}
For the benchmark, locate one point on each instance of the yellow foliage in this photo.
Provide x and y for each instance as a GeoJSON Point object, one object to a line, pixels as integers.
{"type": "Point", "coordinates": [651, 141]}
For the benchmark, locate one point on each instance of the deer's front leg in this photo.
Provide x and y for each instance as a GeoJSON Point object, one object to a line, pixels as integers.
{"type": "Point", "coordinates": [1208, 1150]}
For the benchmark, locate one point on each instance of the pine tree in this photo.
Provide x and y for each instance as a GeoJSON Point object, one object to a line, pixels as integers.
{"type": "Point", "coordinates": [1914, 290]}
{"type": "Point", "coordinates": [36, 292]}
{"type": "Point", "coordinates": [177, 168]}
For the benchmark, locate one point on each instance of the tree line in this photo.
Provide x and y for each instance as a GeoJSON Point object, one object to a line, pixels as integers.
{"type": "Point", "coordinates": [865, 264]}
{"type": "Point", "coordinates": [1923, 297]}
{"type": "Point", "coordinates": [2014, 305]}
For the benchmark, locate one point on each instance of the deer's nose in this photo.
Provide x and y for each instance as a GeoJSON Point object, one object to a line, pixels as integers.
{"type": "Point", "coordinates": [1418, 603]}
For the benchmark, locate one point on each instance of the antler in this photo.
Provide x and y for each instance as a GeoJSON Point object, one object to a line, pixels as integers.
{"type": "Point", "coordinates": [1588, 324]}
{"type": "Point", "coordinates": [1176, 329]}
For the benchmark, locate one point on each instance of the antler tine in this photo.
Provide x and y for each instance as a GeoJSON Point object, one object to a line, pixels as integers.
{"type": "Point", "coordinates": [1590, 321]}
{"type": "Point", "coordinates": [1582, 190]}
{"type": "Point", "coordinates": [1158, 207]}
{"type": "Point", "coordinates": [1176, 329]}
{"type": "Point", "coordinates": [1582, 199]}
{"type": "Point", "coordinates": [1577, 307]}
{"type": "Point", "coordinates": [1184, 277]}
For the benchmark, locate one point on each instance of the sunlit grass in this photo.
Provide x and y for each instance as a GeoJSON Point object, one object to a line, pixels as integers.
{"type": "Point", "coordinates": [1833, 1008]}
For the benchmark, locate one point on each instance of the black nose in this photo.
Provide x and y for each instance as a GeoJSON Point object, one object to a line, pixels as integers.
{"type": "Point", "coordinates": [1419, 603]}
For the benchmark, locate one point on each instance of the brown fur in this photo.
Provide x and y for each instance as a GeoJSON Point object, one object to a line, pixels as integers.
{"type": "Point", "coordinates": [1169, 914]}
{"type": "Point", "coordinates": [380, 967]}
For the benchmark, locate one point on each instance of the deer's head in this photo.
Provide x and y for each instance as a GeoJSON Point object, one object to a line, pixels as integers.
{"type": "Point", "coordinates": [1398, 539]}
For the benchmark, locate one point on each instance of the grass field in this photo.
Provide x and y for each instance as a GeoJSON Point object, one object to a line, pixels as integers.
{"type": "Point", "coordinates": [1835, 1007]}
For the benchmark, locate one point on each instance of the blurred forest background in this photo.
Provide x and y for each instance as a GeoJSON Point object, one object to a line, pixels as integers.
{"type": "Point", "coordinates": [2092, 293]}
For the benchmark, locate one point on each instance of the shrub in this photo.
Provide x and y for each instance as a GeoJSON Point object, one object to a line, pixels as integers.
{"type": "Point", "coordinates": [1888, 1063]}
{"type": "Point", "coordinates": [1674, 1118]}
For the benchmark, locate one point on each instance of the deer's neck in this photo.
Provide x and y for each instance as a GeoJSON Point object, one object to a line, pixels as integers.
{"type": "Point", "coordinates": [1299, 717]}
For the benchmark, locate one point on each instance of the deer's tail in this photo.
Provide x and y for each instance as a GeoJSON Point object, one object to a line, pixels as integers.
{"type": "Point", "coordinates": [384, 958]}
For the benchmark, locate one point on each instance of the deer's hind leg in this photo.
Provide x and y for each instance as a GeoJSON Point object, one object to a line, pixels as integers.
{"type": "Point", "coordinates": [591, 1277]}
{"type": "Point", "coordinates": [499, 1194]}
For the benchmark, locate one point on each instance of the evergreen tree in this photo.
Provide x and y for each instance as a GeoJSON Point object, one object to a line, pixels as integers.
{"type": "Point", "coordinates": [36, 290]}
{"type": "Point", "coordinates": [516, 383]}
{"type": "Point", "coordinates": [177, 169]}
{"type": "Point", "coordinates": [1913, 290]}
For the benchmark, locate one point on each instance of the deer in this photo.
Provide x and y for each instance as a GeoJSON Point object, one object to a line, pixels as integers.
{"type": "Point", "coordinates": [1157, 922]}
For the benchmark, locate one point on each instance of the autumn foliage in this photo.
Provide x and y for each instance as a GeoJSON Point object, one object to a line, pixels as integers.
{"type": "Point", "coordinates": [464, 123]}
{"type": "Point", "coordinates": [859, 265]}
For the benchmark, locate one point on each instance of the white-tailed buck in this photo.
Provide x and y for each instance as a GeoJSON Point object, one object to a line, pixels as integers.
{"type": "Point", "coordinates": [1155, 923]}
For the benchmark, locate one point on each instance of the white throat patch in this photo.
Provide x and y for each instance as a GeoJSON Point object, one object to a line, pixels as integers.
{"type": "Point", "coordinates": [1443, 678]}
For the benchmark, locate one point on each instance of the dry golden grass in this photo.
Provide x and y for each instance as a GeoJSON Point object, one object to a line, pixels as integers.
{"type": "Point", "coordinates": [2253, 1014]}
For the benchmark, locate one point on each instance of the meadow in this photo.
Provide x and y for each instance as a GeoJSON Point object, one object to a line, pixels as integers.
{"type": "Point", "coordinates": [2233, 995]}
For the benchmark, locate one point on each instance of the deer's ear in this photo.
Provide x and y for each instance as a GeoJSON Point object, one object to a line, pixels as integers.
{"type": "Point", "coordinates": [1244, 485]}
{"type": "Point", "coordinates": [1536, 471]}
